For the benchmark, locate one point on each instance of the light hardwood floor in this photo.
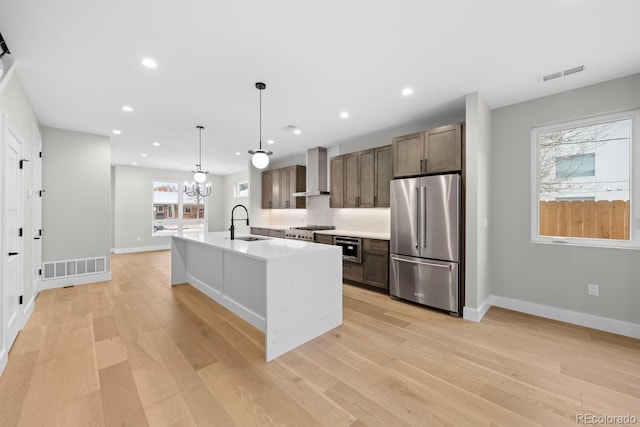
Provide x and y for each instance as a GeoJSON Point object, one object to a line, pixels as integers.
{"type": "Point", "coordinates": [135, 351]}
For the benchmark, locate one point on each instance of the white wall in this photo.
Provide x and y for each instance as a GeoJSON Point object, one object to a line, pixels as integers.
{"type": "Point", "coordinates": [133, 201]}
{"type": "Point", "coordinates": [15, 103]}
{"type": "Point", "coordinates": [76, 174]}
{"type": "Point", "coordinates": [477, 201]}
{"type": "Point", "coordinates": [230, 200]}
{"type": "Point", "coordinates": [552, 275]}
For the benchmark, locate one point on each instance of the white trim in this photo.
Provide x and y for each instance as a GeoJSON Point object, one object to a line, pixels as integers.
{"type": "Point", "coordinates": [75, 280]}
{"type": "Point", "coordinates": [141, 249]}
{"type": "Point", "coordinates": [582, 319]}
{"type": "Point", "coordinates": [3, 360]}
{"type": "Point", "coordinates": [28, 311]}
{"type": "Point", "coordinates": [7, 77]}
{"type": "Point", "coordinates": [476, 315]}
{"type": "Point", "coordinates": [236, 308]}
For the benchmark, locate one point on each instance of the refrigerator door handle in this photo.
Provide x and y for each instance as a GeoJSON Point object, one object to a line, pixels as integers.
{"type": "Point", "coordinates": [424, 217]}
{"type": "Point", "coordinates": [397, 258]}
{"type": "Point", "coordinates": [417, 217]}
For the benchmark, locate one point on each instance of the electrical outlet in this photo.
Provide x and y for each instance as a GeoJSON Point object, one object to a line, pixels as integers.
{"type": "Point", "coordinates": [593, 290]}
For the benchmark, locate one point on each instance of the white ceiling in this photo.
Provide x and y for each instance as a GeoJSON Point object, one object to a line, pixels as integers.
{"type": "Point", "coordinates": [80, 62]}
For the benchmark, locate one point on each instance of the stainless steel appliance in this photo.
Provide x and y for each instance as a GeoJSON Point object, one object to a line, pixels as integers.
{"type": "Point", "coordinates": [306, 232]}
{"type": "Point", "coordinates": [351, 248]}
{"type": "Point", "coordinates": [425, 241]}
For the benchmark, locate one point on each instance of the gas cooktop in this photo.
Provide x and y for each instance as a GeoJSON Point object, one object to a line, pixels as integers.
{"type": "Point", "coordinates": [315, 227]}
{"type": "Point", "coordinates": [306, 232]}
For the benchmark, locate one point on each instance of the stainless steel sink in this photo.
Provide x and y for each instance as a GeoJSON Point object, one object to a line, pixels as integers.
{"type": "Point", "coordinates": [251, 238]}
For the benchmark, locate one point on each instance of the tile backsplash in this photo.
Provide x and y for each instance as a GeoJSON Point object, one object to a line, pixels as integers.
{"type": "Point", "coordinates": [318, 212]}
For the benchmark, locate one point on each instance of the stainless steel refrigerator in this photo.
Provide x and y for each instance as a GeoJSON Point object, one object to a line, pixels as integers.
{"type": "Point", "coordinates": [425, 241]}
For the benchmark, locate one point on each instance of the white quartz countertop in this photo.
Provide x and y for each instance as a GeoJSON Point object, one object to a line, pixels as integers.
{"type": "Point", "coordinates": [361, 234]}
{"type": "Point", "coordinates": [266, 248]}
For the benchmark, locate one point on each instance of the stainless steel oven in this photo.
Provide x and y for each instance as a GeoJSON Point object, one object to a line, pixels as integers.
{"type": "Point", "coordinates": [351, 248]}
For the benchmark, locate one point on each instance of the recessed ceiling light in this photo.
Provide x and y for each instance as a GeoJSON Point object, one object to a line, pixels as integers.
{"type": "Point", "coordinates": [144, 154]}
{"type": "Point", "coordinates": [271, 141]}
{"type": "Point", "coordinates": [238, 153]}
{"type": "Point", "coordinates": [344, 114]}
{"type": "Point", "coordinates": [155, 144]}
{"type": "Point", "coordinates": [127, 108]}
{"type": "Point", "coordinates": [407, 91]}
{"type": "Point", "coordinates": [117, 132]}
{"type": "Point", "coordinates": [133, 163]}
{"type": "Point", "coordinates": [149, 63]}
{"type": "Point", "coordinates": [297, 131]}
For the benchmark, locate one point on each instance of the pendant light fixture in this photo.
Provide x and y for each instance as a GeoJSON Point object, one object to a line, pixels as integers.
{"type": "Point", "coordinates": [199, 175]}
{"type": "Point", "coordinates": [260, 157]}
{"type": "Point", "coordinates": [198, 189]}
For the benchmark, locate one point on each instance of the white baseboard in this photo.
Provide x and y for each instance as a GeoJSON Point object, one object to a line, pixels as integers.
{"type": "Point", "coordinates": [589, 320]}
{"type": "Point", "coordinates": [140, 249]}
{"type": "Point", "coordinates": [476, 315]}
{"type": "Point", "coordinates": [75, 280]}
{"type": "Point", "coordinates": [3, 360]}
{"type": "Point", "coordinates": [28, 311]}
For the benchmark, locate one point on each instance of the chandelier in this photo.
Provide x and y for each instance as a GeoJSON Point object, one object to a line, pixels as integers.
{"type": "Point", "coordinates": [198, 188]}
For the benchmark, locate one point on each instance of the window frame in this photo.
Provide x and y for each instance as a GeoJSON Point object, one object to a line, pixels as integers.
{"type": "Point", "coordinates": [634, 183]}
{"type": "Point", "coordinates": [180, 221]}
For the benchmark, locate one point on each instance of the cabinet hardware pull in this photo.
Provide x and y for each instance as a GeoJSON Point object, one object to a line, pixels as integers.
{"type": "Point", "coordinates": [425, 165]}
{"type": "Point", "coordinates": [13, 253]}
{"type": "Point", "coordinates": [420, 165]}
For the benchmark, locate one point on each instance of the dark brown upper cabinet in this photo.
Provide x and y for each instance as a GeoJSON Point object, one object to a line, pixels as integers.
{"type": "Point", "coordinates": [361, 179]}
{"type": "Point", "coordinates": [278, 184]}
{"type": "Point", "coordinates": [432, 151]}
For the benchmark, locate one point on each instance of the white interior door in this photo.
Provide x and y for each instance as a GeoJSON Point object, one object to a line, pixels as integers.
{"type": "Point", "coordinates": [36, 208]}
{"type": "Point", "coordinates": [12, 283]}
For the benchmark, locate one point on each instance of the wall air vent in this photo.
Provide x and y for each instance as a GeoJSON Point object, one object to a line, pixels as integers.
{"type": "Point", "coordinates": [74, 267]}
{"type": "Point", "coordinates": [573, 70]}
{"type": "Point", "coordinates": [552, 76]}
{"type": "Point", "coordinates": [557, 75]}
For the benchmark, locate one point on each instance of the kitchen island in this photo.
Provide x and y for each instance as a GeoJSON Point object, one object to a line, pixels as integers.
{"type": "Point", "coordinates": [290, 290]}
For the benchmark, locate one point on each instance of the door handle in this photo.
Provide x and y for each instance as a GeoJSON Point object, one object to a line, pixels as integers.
{"type": "Point", "coordinates": [424, 217]}
{"type": "Point", "coordinates": [418, 216]}
{"type": "Point", "coordinates": [13, 253]}
{"type": "Point", "coordinates": [395, 258]}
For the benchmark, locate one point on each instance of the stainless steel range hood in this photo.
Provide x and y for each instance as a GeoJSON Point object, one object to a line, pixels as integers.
{"type": "Point", "coordinates": [316, 173]}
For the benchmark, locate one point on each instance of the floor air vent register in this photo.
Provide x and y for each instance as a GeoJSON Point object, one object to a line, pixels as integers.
{"type": "Point", "coordinates": [74, 267]}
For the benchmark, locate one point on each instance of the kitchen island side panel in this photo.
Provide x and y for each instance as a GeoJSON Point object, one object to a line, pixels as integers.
{"type": "Point", "coordinates": [304, 299]}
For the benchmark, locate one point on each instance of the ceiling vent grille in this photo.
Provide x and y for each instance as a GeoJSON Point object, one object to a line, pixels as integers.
{"type": "Point", "coordinates": [573, 70]}
{"type": "Point", "coordinates": [564, 73]}
{"type": "Point", "coordinates": [552, 76]}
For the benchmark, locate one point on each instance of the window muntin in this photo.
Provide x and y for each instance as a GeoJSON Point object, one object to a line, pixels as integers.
{"type": "Point", "coordinates": [174, 211]}
{"type": "Point", "coordinates": [582, 178]}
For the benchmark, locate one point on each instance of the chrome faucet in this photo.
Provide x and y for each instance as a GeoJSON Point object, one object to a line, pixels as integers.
{"type": "Point", "coordinates": [232, 228]}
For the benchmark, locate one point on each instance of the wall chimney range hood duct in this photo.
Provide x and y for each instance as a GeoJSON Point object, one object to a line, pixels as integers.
{"type": "Point", "coordinates": [316, 173]}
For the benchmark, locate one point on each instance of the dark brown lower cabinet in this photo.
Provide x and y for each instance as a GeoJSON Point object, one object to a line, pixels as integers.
{"type": "Point", "coordinates": [352, 271]}
{"type": "Point", "coordinates": [375, 263]}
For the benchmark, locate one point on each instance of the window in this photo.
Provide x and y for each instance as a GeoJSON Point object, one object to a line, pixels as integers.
{"type": "Point", "coordinates": [585, 182]}
{"type": "Point", "coordinates": [576, 165]}
{"type": "Point", "coordinates": [174, 211]}
{"type": "Point", "coordinates": [242, 189]}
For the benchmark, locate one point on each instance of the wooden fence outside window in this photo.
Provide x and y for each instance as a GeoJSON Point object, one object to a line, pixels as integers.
{"type": "Point", "coordinates": [603, 219]}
